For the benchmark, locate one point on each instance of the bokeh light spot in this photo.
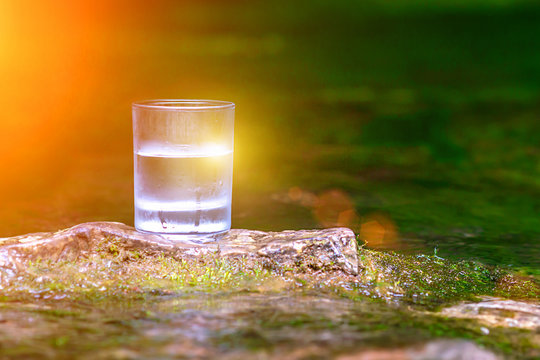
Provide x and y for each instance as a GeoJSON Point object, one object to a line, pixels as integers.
{"type": "Point", "coordinates": [295, 193]}
{"type": "Point", "coordinates": [303, 197]}
{"type": "Point", "coordinates": [335, 208]}
{"type": "Point", "coordinates": [378, 230]}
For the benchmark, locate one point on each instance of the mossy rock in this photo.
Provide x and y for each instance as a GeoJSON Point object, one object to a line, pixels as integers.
{"type": "Point", "coordinates": [250, 292]}
{"type": "Point", "coordinates": [328, 258]}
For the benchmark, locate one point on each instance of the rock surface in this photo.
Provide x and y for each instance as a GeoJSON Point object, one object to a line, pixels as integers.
{"type": "Point", "coordinates": [330, 249]}
{"type": "Point", "coordinates": [253, 294]}
{"type": "Point", "coordinates": [498, 312]}
{"type": "Point", "coordinates": [435, 350]}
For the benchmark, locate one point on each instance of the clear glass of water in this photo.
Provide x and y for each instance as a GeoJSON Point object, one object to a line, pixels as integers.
{"type": "Point", "coordinates": [183, 157]}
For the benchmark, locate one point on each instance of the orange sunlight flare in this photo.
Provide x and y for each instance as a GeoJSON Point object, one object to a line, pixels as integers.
{"type": "Point", "coordinates": [50, 71]}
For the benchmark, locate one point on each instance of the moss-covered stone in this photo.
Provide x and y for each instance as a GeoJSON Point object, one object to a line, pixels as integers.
{"type": "Point", "coordinates": [123, 301]}
{"type": "Point", "coordinates": [116, 268]}
{"type": "Point", "coordinates": [434, 280]}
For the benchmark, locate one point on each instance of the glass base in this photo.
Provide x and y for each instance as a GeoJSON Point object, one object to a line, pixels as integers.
{"type": "Point", "coordinates": [191, 238]}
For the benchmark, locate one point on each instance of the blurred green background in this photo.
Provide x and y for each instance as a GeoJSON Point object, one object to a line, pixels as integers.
{"type": "Point", "coordinates": [416, 123]}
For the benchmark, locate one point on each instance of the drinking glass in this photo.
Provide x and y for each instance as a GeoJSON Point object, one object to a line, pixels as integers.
{"type": "Point", "coordinates": [183, 157]}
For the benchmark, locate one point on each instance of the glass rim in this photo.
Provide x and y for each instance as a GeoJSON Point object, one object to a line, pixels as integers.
{"type": "Point", "coordinates": [183, 104]}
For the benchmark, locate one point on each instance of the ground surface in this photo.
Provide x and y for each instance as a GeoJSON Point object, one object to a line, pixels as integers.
{"type": "Point", "coordinates": [102, 289]}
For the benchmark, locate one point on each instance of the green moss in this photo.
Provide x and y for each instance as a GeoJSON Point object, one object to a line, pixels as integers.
{"type": "Point", "coordinates": [433, 280]}
{"type": "Point", "coordinates": [245, 338]}
{"type": "Point", "coordinates": [60, 341]}
{"type": "Point", "coordinates": [59, 312]}
{"type": "Point", "coordinates": [517, 287]}
{"type": "Point", "coordinates": [114, 272]}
